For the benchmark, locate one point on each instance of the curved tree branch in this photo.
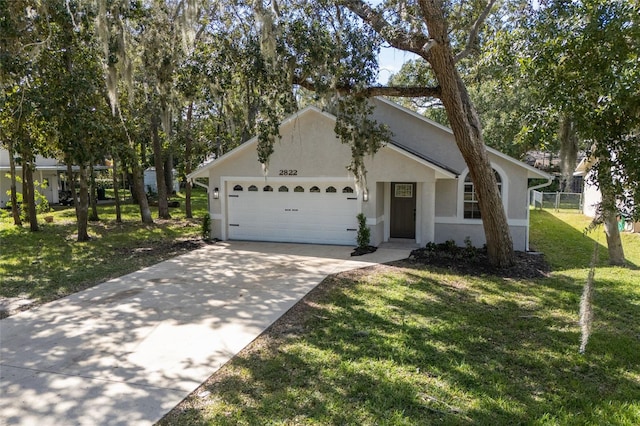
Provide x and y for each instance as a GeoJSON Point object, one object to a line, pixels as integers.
{"type": "Point", "coordinates": [473, 33]}
{"type": "Point", "coordinates": [415, 42]}
{"type": "Point", "coordinates": [401, 91]}
{"type": "Point", "coordinates": [368, 92]}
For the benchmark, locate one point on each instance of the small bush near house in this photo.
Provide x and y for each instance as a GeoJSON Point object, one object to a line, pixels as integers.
{"type": "Point", "coordinates": [206, 227]}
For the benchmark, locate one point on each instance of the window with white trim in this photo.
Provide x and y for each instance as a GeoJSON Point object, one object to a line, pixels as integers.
{"type": "Point", "coordinates": [471, 207]}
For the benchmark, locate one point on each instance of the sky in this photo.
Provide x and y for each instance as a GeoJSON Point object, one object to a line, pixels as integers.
{"type": "Point", "coordinates": [390, 61]}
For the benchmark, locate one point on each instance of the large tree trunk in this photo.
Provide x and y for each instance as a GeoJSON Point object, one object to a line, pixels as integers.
{"type": "Point", "coordinates": [168, 173]}
{"type": "Point", "coordinates": [93, 196]}
{"type": "Point", "coordinates": [163, 204]}
{"type": "Point", "coordinates": [188, 146]}
{"type": "Point", "coordinates": [138, 189]}
{"type": "Point", "coordinates": [82, 206]}
{"type": "Point", "coordinates": [610, 219]}
{"type": "Point", "coordinates": [467, 130]}
{"type": "Point", "coordinates": [116, 190]}
{"type": "Point", "coordinates": [568, 153]}
{"type": "Point", "coordinates": [28, 193]}
{"type": "Point", "coordinates": [435, 48]}
{"type": "Point", "coordinates": [71, 183]}
{"type": "Point", "coordinates": [15, 209]}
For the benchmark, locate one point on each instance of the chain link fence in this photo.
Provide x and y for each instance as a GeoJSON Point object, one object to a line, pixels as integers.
{"type": "Point", "coordinates": [556, 200]}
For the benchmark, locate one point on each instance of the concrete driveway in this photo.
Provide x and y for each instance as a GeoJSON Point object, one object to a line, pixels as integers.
{"type": "Point", "coordinates": [127, 351]}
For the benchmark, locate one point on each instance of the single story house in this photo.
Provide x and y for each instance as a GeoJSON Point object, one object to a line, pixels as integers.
{"type": "Point", "coordinates": [591, 196]}
{"type": "Point", "coordinates": [46, 171]}
{"type": "Point", "coordinates": [418, 188]}
{"type": "Point", "coordinates": [151, 184]}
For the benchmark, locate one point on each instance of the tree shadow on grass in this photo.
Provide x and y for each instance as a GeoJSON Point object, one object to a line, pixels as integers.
{"type": "Point", "coordinates": [428, 348]}
{"type": "Point", "coordinates": [49, 264]}
{"type": "Point", "coordinates": [564, 246]}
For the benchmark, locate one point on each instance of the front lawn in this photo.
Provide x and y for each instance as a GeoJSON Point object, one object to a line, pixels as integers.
{"type": "Point", "coordinates": [36, 267]}
{"type": "Point", "coordinates": [404, 344]}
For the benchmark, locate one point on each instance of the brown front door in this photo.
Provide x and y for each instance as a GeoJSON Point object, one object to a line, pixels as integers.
{"type": "Point", "coordinates": [403, 210]}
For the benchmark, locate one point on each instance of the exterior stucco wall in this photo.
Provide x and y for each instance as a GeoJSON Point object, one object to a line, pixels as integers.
{"type": "Point", "coordinates": [413, 132]}
{"type": "Point", "coordinates": [388, 165]}
{"type": "Point", "coordinates": [449, 212]}
{"type": "Point", "coordinates": [447, 197]}
{"type": "Point", "coordinates": [374, 210]}
{"type": "Point", "coordinates": [517, 204]}
{"type": "Point", "coordinates": [459, 231]}
{"type": "Point", "coordinates": [591, 197]}
{"type": "Point", "coordinates": [391, 166]}
{"type": "Point", "coordinates": [307, 145]}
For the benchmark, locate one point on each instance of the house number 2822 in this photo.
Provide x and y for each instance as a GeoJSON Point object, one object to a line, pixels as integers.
{"type": "Point", "coordinates": [288, 173]}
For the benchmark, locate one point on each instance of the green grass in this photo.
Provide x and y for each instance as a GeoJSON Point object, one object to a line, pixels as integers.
{"type": "Point", "coordinates": [50, 263]}
{"type": "Point", "coordinates": [406, 345]}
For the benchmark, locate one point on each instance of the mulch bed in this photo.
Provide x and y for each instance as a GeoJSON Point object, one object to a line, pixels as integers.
{"type": "Point", "coordinates": [474, 261]}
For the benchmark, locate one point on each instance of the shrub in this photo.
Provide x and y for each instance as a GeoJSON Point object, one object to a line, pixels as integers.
{"type": "Point", "coordinates": [206, 227]}
{"type": "Point", "coordinates": [431, 247]}
{"type": "Point", "coordinates": [364, 233]}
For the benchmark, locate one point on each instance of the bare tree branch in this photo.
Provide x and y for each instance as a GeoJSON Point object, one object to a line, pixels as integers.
{"type": "Point", "coordinates": [473, 33]}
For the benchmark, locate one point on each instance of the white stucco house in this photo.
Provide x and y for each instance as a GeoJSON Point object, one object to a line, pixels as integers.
{"type": "Point", "coordinates": [151, 184]}
{"type": "Point", "coordinates": [418, 187]}
{"type": "Point", "coordinates": [46, 171]}
{"type": "Point", "coordinates": [591, 196]}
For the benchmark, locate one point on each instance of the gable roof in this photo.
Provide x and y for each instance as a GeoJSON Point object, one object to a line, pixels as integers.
{"type": "Point", "coordinates": [419, 152]}
{"type": "Point", "coordinates": [532, 172]}
{"type": "Point", "coordinates": [202, 171]}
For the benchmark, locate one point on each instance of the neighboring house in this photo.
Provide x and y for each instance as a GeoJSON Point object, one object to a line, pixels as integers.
{"type": "Point", "coordinates": [46, 171]}
{"type": "Point", "coordinates": [418, 188]}
{"type": "Point", "coordinates": [151, 184]}
{"type": "Point", "coordinates": [591, 196]}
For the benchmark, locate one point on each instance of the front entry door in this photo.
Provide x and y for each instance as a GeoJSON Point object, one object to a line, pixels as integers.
{"type": "Point", "coordinates": [403, 210]}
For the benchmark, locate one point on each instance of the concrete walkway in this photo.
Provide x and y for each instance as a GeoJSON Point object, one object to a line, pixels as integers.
{"type": "Point", "coordinates": [127, 351]}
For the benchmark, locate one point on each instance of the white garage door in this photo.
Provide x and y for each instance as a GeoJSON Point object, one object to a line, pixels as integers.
{"type": "Point", "coordinates": [292, 212]}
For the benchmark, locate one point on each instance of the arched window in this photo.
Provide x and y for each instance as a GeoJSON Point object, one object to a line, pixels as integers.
{"type": "Point", "coordinates": [331, 189]}
{"type": "Point", "coordinates": [237, 188]}
{"type": "Point", "coordinates": [267, 188]}
{"type": "Point", "coordinates": [298, 189]}
{"type": "Point", "coordinates": [283, 189]}
{"type": "Point", "coordinates": [252, 188]}
{"type": "Point", "coordinates": [471, 207]}
{"type": "Point", "coordinates": [347, 190]}
{"type": "Point", "coordinates": [314, 189]}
